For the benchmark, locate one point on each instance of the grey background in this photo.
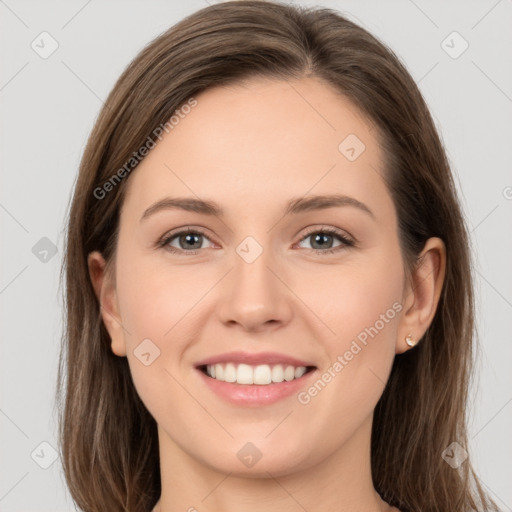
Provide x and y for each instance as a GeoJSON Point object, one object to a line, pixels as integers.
{"type": "Point", "coordinates": [48, 107]}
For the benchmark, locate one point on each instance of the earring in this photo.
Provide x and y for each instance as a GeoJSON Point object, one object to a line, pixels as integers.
{"type": "Point", "coordinates": [409, 340]}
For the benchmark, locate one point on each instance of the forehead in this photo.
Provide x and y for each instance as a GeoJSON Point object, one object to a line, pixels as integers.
{"type": "Point", "coordinates": [264, 141]}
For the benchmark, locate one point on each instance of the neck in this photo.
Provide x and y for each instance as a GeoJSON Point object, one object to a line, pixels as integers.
{"type": "Point", "coordinates": [340, 483]}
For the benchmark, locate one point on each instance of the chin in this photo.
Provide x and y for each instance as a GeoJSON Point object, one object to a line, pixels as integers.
{"type": "Point", "coordinates": [260, 460]}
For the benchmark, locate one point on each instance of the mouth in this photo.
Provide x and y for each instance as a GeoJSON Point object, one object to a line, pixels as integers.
{"type": "Point", "coordinates": [254, 379]}
{"type": "Point", "coordinates": [254, 375]}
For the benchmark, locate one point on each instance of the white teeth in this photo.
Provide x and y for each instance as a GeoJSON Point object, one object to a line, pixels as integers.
{"type": "Point", "coordinates": [229, 373]}
{"type": "Point", "coordinates": [277, 373]}
{"type": "Point", "coordinates": [289, 373]}
{"type": "Point", "coordinates": [300, 371]}
{"type": "Point", "coordinates": [261, 375]}
{"type": "Point", "coordinates": [219, 371]}
{"type": "Point", "coordinates": [244, 374]}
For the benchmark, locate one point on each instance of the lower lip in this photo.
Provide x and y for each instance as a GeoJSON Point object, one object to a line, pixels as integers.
{"type": "Point", "coordinates": [254, 394]}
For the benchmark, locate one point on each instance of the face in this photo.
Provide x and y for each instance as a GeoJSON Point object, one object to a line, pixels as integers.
{"type": "Point", "coordinates": [272, 279]}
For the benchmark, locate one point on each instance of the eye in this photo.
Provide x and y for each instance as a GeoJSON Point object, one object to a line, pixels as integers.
{"type": "Point", "coordinates": [189, 241]}
{"type": "Point", "coordinates": [184, 242]}
{"type": "Point", "coordinates": [323, 238]}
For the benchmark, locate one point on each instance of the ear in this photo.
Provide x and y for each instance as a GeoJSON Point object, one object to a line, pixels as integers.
{"type": "Point", "coordinates": [105, 291]}
{"type": "Point", "coordinates": [422, 292]}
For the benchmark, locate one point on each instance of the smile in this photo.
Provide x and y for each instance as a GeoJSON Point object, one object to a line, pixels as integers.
{"type": "Point", "coordinates": [260, 375]}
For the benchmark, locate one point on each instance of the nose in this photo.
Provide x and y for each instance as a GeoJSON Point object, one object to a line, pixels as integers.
{"type": "Point", "coordinates": [255, 295]}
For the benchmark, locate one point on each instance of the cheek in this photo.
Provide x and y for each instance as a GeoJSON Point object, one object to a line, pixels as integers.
{"type": "Point", "coordinates": [155, 299]}
{"type": "Point", "coordinates": [355, 295]}
{"type": "Point", "coordinates": [361, 308]}
{"type": "Point", "coordinates": [363, 311]}
{"type": "Point", "coordinates": [155, 306]}
{"type": "Point", "coordinates": [159, 303]}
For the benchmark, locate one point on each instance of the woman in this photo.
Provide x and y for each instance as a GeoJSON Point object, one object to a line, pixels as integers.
{"type": "Point", "coordinates": [269, 290]}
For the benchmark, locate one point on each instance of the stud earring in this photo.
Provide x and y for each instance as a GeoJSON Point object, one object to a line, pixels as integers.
{"type": "Point", "coordinates": [410, 341]}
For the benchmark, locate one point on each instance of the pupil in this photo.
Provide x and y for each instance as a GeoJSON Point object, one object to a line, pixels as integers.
{"type": "Point", "coordinates": [189, 238]}
{"type": "Point", "coordinates": [321, 236]}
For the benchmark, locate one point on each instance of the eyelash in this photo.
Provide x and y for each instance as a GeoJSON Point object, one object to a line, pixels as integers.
{"type": "Point", "coordinates": [347, 242]}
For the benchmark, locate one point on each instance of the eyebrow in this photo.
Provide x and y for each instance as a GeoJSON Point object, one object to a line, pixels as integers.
{"type": "Point", "coordinates": [293, 207]}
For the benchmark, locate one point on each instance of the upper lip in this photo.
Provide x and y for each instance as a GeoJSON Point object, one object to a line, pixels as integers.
{"type": "Point", "coordinates": [253, 359]}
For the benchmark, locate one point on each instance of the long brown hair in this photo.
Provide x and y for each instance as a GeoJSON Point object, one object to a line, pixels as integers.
{"type": "Point", "coordinates": [109, 443]}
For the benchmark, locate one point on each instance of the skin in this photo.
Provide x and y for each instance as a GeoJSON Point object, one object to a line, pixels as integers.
{"type": "Point", "coordinates": [251, 148]}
